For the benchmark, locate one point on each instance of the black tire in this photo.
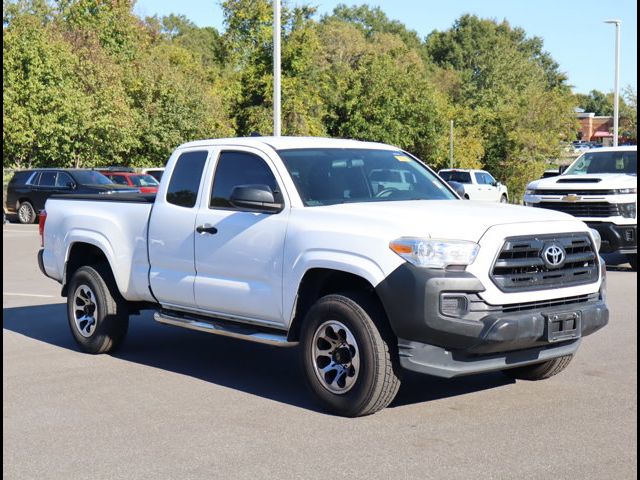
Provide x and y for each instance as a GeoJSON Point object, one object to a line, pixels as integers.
{"type": "Point", "coordinates": [26, 213]}
{"type": "Point", "coordinates": [110, 316]}
{"type": "Point", "coordinates": [504, 199]}
{"type": "Point", "coordinates": [540, 371]}
{"type": "Point", "coordinates": [633, 261]}
{"type": "Point", "coordinates": [377, 381]}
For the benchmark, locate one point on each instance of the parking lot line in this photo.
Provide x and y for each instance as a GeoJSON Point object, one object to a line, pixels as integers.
{"type": "Point", "coordinates": [11, 294]}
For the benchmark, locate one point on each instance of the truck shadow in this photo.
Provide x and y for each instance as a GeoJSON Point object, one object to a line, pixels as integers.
{"type": "Point", "coordinates": [260, 370]}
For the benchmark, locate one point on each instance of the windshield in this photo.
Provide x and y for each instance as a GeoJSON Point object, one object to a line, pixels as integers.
{"type": "Point", "coordinates": [327, 176]}
{"type": "Point", "coordinates": [91, 177]}
{"type": "Point", "coordinates": [605, 162]}
{"type": "Point", "coordinates": [144, 180]}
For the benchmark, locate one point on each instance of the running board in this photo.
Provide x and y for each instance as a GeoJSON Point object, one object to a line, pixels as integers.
{"type": "Point", "coordinates": [225, 329]}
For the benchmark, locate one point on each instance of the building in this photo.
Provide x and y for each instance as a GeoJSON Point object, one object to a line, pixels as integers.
{"type": "Point", "coordinates": [594, 128]}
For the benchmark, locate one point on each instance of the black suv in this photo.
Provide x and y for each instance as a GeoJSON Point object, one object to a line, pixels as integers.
{"type": "Point", "coordinates": [28, 190]}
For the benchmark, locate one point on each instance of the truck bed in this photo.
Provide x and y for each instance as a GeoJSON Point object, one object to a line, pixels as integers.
{"type": "Point", "coordinates": [115, 197]}
{"type": "Point", "coordinates": [117, 224]}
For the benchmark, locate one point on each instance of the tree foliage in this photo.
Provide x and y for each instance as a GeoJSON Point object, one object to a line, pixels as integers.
{"type": "Point", "coordinates": [87, 82]}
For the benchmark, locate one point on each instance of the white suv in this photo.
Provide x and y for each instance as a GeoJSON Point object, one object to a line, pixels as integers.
{"type": "Point", "coordinates": [478, 185]}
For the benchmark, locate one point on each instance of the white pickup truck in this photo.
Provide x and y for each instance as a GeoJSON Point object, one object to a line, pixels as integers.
{"type": "Point", "coordinates": [601, 188]}
{"type": "Point", "coordinates": [292, 241]}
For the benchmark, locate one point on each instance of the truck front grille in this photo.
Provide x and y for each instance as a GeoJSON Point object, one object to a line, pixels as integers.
{"type": "Point", "coordinates": [584, 209]}
{"type": "Point", "coordinates": [521, 265]}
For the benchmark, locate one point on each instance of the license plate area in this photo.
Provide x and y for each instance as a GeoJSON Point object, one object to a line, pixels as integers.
{"type": "Point", "coordinates": [563, 326]}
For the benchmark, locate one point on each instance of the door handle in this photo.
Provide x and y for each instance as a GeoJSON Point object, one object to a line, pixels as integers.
{"type": "Point", "coordinates": [206, 229]}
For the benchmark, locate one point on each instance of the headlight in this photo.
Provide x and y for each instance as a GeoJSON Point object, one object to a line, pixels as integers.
{"type": "Point", "coordinates": [627, 210]}
{"type": "Point", "coordinates": [597, 238]}
{"type": "Point", "coordinates": [529, 191]}
{"type": "Point", "coordinates": [424, 252]}
{"type": "Point", "coordinates": [626, 191]}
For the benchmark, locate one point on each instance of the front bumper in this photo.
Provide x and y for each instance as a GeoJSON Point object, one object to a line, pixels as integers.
{"type": "Point", "coordinates": [617, 238]}
{"type": "Point", "coordinates": [439, 362]}
{"type": "Point", "coordinates": [485, 337]}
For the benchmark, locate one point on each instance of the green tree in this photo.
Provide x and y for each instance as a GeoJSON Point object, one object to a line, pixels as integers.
{"type": "Point", "coordinates": [596, 102]}
{"type": "Point", "coordinates": [522, 106]}
{"type": "Point", "coordinates": [42, 104]}
{"type": "Point", "coordinates": [372, 20]}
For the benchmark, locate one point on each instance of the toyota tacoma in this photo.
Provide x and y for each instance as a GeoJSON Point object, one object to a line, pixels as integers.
{"type": "Point", "coordinates": [296, 242]}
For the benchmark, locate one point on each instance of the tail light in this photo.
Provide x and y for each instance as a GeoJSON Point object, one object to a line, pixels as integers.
{"type": "Point", "coordinates": [43, 218]}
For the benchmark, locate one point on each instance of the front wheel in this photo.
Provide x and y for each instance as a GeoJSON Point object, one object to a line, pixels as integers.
{"type": "Point", "coordinates": [349, 357]}
{"type": "Point", "coordinates": [504, 199]}
{"type": "Point", "coordinates": [539, 371]}
{"type": "Point", "coordinates": [633, 261]}
{"type": "Point", "coordinates": [98, 315]}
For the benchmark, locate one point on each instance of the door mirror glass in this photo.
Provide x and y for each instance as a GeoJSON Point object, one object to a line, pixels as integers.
{"type": "Point", "coordinates": [255, 198]}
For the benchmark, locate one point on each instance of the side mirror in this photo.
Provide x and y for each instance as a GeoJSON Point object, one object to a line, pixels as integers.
{"type": "Point", "coordinates": [255, 198]}
{"type": "Point", "coordinates": [563, 169]}
{"type": "Point", "coordinates": [71, 185]}
{"type": "Point", "coordinates": [495, 184]}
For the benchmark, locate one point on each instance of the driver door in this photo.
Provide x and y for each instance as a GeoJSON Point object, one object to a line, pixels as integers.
{"type": "Point", "coordinates": [239, 258]}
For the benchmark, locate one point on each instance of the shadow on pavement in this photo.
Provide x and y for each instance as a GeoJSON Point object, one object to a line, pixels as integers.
{"type": "Point", "coordinates": [261, 370]}
{"type": "Point", "coordinates": [617, 263]}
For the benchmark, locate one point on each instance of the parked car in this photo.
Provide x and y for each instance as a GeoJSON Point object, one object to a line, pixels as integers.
{"type": "Point", "coordinates": [28, 190]}
{"type": "Point", "coordinates": [285, 241]}
{"type": "Point", "coordinates": [479, 185]}
{"type": "Point", "coordinates": [154, 172]}
{"type": "Point", "coordinates": [600, 187]}
{"type": "Point", "coordinates": [143, 181]}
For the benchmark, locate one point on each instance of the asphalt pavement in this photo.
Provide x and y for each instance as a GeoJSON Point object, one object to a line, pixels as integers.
{"type": "Point", "coordinates": [177, 404]}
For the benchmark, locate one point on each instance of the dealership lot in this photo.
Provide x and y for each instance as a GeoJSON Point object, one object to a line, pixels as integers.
{"type": "Point", "coordinates": [180, 404]}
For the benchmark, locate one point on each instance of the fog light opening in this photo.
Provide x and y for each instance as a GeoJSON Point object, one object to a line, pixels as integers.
{"type": "Point", "coordinates": [454, 305]}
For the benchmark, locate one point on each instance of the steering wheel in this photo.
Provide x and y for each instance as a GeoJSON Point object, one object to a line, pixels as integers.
{"type": "Point", "coordinates": [386, 192]}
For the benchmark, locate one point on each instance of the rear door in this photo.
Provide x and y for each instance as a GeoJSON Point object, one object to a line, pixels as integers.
{"type": "Point", "coordinates": [46, 187]}
{"type": "Point", "coordinates": [239, 264]}
{"type": "Point", "coordinates": [172, 230]}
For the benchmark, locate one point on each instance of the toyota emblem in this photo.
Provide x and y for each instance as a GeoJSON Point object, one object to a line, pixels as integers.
{"type": "Point", "coordinates": [554, 256]}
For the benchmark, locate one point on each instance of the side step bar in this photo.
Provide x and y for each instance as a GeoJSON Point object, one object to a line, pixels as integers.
{"type": "Point", "coordinates": [226, 329]}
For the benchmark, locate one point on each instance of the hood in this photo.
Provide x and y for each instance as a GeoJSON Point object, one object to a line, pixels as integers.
{"type": "Point", "coordinates": [594, 181]}
{"type": "Point", "coordinates": [450, 219]}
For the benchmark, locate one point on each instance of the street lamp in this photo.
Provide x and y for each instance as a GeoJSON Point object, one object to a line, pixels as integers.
{"type": "Point", "coordinates": [276, 68]}
{"type": "Point", "coordinates": [616, 87]}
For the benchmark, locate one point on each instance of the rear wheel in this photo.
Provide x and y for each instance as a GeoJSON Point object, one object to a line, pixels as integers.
{"type": "Point", "coordinates": [98, 315]}
{"type": "Point", "coordinates": [633, 261]}
{"type": "Point", "coordinates": [349, 357]}
{"type": "Point", "coordinates": [540, 371]}
{"type": "Point", "coordinates": [26, 213]}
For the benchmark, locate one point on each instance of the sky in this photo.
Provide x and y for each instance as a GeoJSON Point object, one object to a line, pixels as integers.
{"type": "Point", "coordinates": [573, 31]}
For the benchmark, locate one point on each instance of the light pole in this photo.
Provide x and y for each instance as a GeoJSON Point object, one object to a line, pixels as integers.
{"type": "Point", "coordinates": [616, 87]}
{"type": "Point", "coordinates": [276, 68]}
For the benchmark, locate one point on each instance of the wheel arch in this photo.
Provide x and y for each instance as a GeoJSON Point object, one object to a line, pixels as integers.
{"type": "Point", "coordinates": [318, 282]}
{"type": "Point", "coordinates": [83, 253]}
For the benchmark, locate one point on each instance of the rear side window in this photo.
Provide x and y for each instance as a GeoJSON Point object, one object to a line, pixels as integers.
{"type": "Point", "coordinates": [185, 179]}
{"type": "Point", "coordinates": [21, 178]}
{"type": "Point", "coordinates": [47, 179]}
{"type": "Point", "coordinates": [239, 168]}
{"type": "Point", "coordinates": [460, 177]}
{"type": "Point", "coordinates": [119, 179]}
